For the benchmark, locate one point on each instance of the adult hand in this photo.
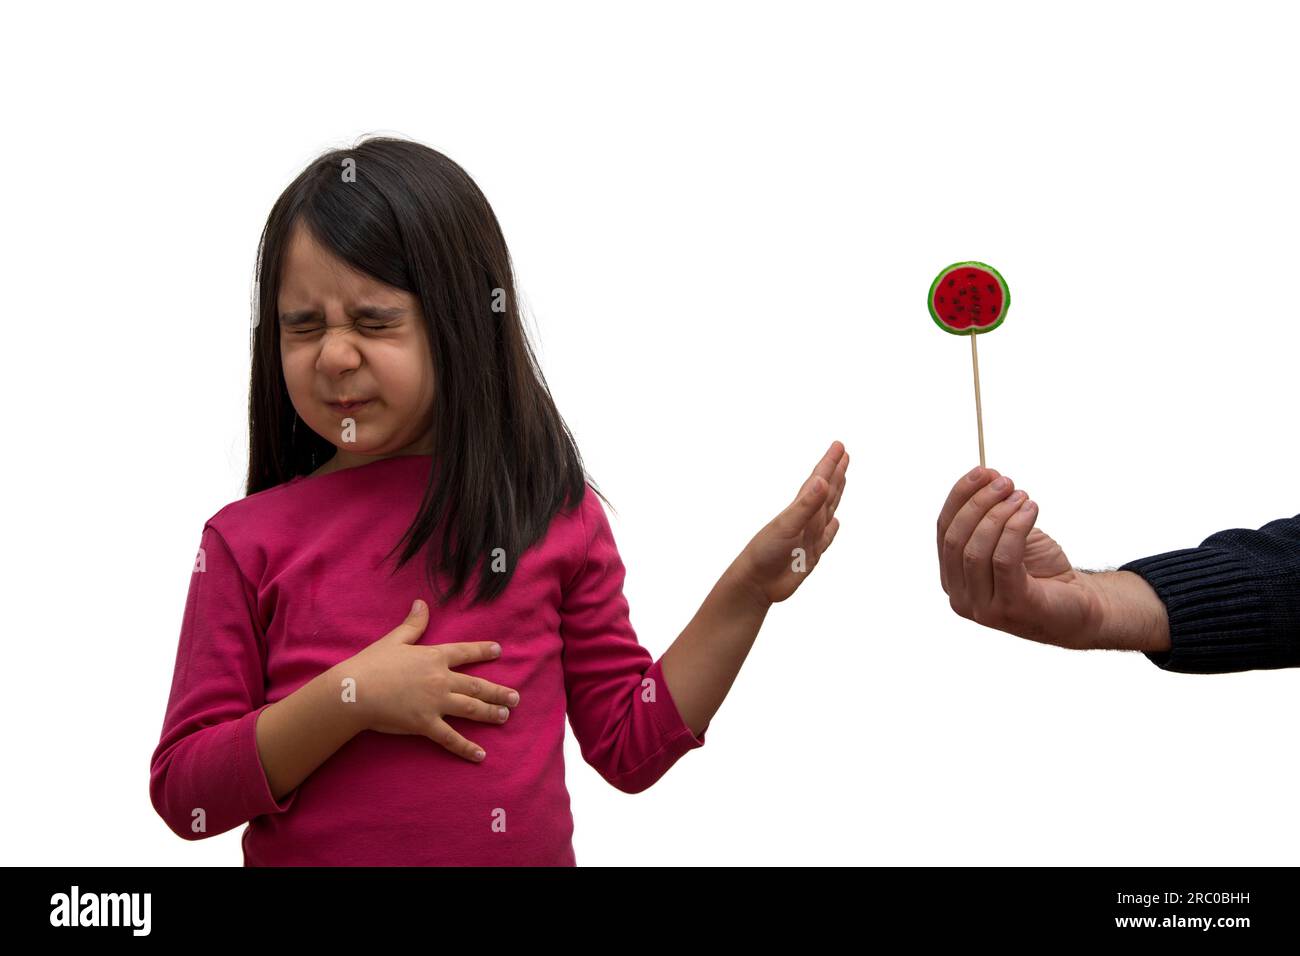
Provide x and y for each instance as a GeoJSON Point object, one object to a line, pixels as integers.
{"type": "Point", "coordinates": [1000, 571]}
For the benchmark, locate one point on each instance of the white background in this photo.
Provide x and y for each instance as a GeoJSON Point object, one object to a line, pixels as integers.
{"type": "Point", "coordinates": [725, 219]}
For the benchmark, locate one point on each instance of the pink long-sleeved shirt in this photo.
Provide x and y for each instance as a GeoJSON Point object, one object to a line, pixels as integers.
{"type": "Point", "coordinates": [292, 580]}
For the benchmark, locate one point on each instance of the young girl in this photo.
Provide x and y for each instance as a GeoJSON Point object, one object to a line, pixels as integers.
{"type": "Point", "coordinates": [318, 695]}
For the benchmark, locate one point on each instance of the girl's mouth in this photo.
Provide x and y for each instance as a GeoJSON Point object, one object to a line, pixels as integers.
{"type": "Point", "coordinates": [349, 407]}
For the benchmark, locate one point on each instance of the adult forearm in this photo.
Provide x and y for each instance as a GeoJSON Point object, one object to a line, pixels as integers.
{"type": "Point", "coordinates": [1134, 619]}
{"type": "Point", "coordinates": [297, 734]}
{"type": "Point", "coordinates": [703, 662]}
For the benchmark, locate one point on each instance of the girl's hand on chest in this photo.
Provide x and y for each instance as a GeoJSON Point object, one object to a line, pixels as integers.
{"type": "Point", "coordinates": [401, 687]}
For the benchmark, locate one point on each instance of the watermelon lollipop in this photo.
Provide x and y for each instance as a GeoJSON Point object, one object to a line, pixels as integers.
{"type": "Point", "coordinates": [970, 298]}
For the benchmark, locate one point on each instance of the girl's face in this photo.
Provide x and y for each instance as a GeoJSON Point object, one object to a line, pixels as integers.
{"type": "Point", "coordinates": [345, 337]}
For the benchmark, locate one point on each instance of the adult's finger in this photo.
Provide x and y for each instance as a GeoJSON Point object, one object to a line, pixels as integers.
{"type": "Point", "coordinates": [963, 525]}
{"type": "Point", "coordinates": [1010, 579]}
{"type": "Point", "coordinates": [977, 556]}
{"type": "Point", "coordinates": [961, 492]}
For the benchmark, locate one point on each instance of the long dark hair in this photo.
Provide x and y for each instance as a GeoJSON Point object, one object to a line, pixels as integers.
{"type": "Point", "coordinates": [504, 460]}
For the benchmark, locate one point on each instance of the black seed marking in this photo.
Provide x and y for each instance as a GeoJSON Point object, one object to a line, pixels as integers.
{"type": "Point", "coordinates": [992, 288]}
{"type": "Point", "coordinates": [961, 308]}
{"type": "Point", "coordinates": [952, 282]}
{"type": "Point", "coordinates": [995, 313]}
{"type": "Point", "coordinates": [941, 300]}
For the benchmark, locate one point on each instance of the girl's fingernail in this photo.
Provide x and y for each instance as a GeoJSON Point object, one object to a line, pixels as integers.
{"type": "Point", "coordinates": [999, 484]}
{"type": "Point", "coordinates": [478, 755]}
{"type": "Point", "coordinates": [513, 698]}
{"type": "Point", "coordinates": [1028, 506]}
{"type": "Point", "coordinates": [1016, 496]}
{"type": "Point", "coordinates": [974, 475]}
{"type": "Point", "coordinates": [502, 713]}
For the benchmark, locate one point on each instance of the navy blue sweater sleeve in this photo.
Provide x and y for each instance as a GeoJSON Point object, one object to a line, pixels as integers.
{"type": "Point", "coordinates": [1233, 602]}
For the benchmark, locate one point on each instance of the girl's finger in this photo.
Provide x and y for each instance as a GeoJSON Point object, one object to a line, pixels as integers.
{"type": "Point", "coordinates": [468, 652]}
{"type": "Point", "coordinates": [837, 486]}
{"type": "Point", "coordinates": [977, 557]}
{"type": "Point", "coordinates": [953, 544]}
{"type": "Point", "coordinates": [442, 733]}
{"type": "Point", "coordinates": [1010, 579]}
{"type": "Point", "coordinates": [482, 689]}
{"type": "Point", "coordinates": [801, 516]}
{"type": "Point", "coordinates": [826, 467]}
{"type": "Point", "coordinates": [794, 519]}
{"type": "Point", "coordinates": [816, 524]}
{"type": "Point", "coordinates": [828, 536]}
{"type": "Point", "coordinates": [471, 708]}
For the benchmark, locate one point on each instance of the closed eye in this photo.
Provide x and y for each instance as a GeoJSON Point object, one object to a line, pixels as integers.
{"type": "Point", "coordinates": [372, 328]}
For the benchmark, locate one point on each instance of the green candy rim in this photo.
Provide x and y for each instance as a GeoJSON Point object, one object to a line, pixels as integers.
{"type": "Point", "coordinates": [1006, 299]}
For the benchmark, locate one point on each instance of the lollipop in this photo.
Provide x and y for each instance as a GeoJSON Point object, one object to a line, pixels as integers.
{"type": "Point", "coordinates": [970, 298]}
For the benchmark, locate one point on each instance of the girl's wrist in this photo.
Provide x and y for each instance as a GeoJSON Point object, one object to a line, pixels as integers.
{"type": "Point", "coordinates": [746, 582]}
{"type": "Point", "coordinates": [343, 682]}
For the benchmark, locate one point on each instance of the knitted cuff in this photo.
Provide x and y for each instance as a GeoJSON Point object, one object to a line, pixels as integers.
{"type": "Point", "coordinates": [1224, 614]}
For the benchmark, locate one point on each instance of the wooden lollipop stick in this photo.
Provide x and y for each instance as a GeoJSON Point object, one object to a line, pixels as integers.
{"type": "Point", "coordinates": [979, 413]}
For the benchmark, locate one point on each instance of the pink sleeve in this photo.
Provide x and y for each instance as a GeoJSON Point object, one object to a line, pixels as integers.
{"type": "Point", "coordinates": [621, 711]}
{"type": "Point", "coordinates": [206, 776]}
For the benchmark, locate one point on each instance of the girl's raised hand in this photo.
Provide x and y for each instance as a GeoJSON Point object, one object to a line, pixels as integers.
{"type": "Point", "coordinates": [780, 557]}
{"type": "Point", "coordinates": [407, 688]}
